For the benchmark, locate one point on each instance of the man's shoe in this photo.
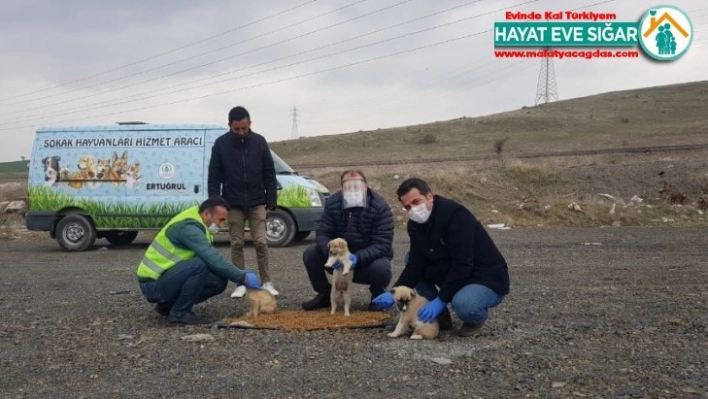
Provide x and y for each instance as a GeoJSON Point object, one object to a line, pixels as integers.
{"type": "Point", "coordinates": [445, 320]}
{"type": "Point", "coordinates": [187, 318]}
{"type": "Point", "coordinates": [268, 286]}
{"type": "Point", "coordinates": [468, 330]}
{"type": "Point", "coordinates": [163, 308]}
{"type": "Point", "coordinates": [318, 302]}
{"type": "Point", "coordinates": [239, 292]}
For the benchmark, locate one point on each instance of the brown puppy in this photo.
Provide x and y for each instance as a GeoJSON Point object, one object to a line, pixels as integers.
{"type": "Point", "coordinates": [408, 303]}
{"type": "Point", "coordinates": [261, 301]}
{"type": "Point", "coordinates": [341, 279]}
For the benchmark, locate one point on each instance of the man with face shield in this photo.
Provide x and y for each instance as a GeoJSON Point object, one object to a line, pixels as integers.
{"type": "Point", "coordinates": [363, 218]}
{"type": "Point", "coordinates": [449, 250]}
{"type": "Point", "coordinates": [182, 268]}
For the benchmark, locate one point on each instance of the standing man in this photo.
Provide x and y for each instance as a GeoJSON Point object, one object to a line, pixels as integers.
{"type": "Point", "coordinates": [241, 170]}
{"type": "Point", "coordinates": [182, 268]}
{"type": "Point", "coordinates": [451, 250]}
{"type": "Point", "coordinates": [363, 218]}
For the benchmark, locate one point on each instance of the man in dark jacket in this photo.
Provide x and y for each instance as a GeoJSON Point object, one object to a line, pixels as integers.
{"type": "Point", "coordinates": [182, 268]}
{"type": "Point", "coordinates": [363, 218]}
{"type": "Point", "coordinates": [241, 170]}
{"type": "Point", "coordinates": [449, 249]}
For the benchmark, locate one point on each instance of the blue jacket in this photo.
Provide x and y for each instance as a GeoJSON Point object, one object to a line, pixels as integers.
{"type": "Point", "coordinates": [368, 231]}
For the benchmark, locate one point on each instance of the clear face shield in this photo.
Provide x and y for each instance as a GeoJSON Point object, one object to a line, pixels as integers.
{"type": "Point", "coordinates": [354, 194]}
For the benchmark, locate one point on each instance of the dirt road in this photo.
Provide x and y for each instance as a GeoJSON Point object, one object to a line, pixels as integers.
{"type": "Point", "coordinates": [605, 313]}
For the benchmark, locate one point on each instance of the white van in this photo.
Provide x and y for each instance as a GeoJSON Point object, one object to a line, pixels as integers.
{"type": "Point", "coordinates": [90, 182]}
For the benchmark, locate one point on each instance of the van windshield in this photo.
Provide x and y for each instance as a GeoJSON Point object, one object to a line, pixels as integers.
{"type": "Point", "coordinates": [281, 168]}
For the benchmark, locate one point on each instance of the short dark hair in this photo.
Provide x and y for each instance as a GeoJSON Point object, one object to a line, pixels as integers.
{"type": "Point", "coordinates": [238, 114]}
{"type": "Point", "coordinates": [212, 202]}
{"type": "Point", "coordinates": [352, 172]}
{"type": "Point", "coordinates": [410, 184]}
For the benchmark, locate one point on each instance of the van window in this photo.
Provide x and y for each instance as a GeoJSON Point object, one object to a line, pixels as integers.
{"type": "Point", "coordinates": [281, 168]}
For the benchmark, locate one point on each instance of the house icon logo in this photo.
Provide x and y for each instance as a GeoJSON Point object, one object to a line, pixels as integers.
{"type": "Point", "coordinates": [666, 33]}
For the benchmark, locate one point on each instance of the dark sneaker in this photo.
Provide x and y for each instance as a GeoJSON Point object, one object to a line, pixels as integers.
{"type": "Point", "coordinates": [186, 318]}
{"type": "Point", "coordinates": [163, 309]}
{"type": "Point", "coordinates": [318, 302]}
{"type": "Point", "coordinates": [445, 320]}
{"type": "Point", "coordinates": [468, 330]}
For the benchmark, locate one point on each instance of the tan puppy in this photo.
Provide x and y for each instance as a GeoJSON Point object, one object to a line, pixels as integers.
{"type": "Point", "coordinates": [341, 279]}
{"type": "Point", "coordinates": [339, 252]}
{"type": "Point", "coordinates": [261, 301]}
{"type": "Point", "coordinates": [408, 303]}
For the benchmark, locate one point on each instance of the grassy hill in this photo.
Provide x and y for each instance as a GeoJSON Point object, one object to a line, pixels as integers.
{"type": "Point", "coordinates": [14, 167]}
{"type": "Point", "coordinates": [664, 115]}
{"type": "Point", "coordinates": [501, 186]}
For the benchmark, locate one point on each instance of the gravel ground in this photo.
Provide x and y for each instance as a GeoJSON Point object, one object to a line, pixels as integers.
{"type": "Point", "coordinates": [597, 313]}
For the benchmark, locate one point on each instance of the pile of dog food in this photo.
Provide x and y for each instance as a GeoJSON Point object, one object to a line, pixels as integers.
{"type": "Point", "coordinates": [317, 320]}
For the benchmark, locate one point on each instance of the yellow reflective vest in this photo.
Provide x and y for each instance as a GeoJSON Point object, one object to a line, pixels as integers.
{"type": "Point", "coordinates": [161, 255]}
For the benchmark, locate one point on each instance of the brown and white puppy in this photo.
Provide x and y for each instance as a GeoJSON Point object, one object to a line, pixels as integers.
{"type": "Point", "coordinates": [408, 303]}
{"type": "Point", "coordinates": [339, 252]}
{"type": "Point", "coordinates": [341, 279]}
{"type": "Point", "coordinates": [261, 301]}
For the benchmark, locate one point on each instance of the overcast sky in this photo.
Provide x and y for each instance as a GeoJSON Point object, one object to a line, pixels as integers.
{"type": "Point", "coordinates": [79, 62]}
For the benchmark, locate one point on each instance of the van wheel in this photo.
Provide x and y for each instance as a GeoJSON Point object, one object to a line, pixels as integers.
{"type": "Point", "coordinates": [120, 237]}
{"type": "Point", "coordinates": [280, 228]}
{"type": "Point", "coordinates": [75, 233]}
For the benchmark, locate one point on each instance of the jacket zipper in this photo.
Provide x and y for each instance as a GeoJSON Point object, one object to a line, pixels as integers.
{"type": "Point", "coordinates": [245, 175]}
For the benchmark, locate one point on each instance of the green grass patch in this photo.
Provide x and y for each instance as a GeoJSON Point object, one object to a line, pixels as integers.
{"type": "Point", "coordinates": [108, 215]}
{"type": "Point", "coordinates": [294, 197]}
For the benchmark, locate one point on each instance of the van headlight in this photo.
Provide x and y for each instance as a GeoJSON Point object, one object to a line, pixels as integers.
{"type": "Point", "coordinates": [315, 198]}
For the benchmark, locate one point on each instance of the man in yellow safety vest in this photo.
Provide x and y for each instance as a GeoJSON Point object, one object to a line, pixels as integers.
{"type": "Point", "coordinates": [182, 268]}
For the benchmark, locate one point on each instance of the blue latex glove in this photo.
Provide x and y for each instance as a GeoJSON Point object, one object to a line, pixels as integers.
{"type": "Point", "coordinates": [337, 266]}
{"type": "Point", "coordinates": [431, 310]}
{"type": "Point", "coordinates": [353, 259]}
{"type": "Point", "coordinates": [251, 281]}
{"type": "Point", "coordinates": [384, 301]}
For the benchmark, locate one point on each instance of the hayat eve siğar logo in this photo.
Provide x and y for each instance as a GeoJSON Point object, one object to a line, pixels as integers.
{"type": "Point", "coordinates": [665, 33]}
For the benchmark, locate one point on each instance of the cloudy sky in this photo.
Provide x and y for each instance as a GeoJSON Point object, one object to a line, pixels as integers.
{"type": "Point", "coordinates": [345, 65]}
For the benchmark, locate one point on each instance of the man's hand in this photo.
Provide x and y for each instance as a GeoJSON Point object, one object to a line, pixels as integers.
{"type": "Point", "coordinates": [353, 259]}
{"type": "Point", "coordinates": [251, 281]}
{"type": "Point", "coordinates": [431, 310]}
{"type": "Point", "coordinates": [337, 266]}
{"type": "Point", "coordinates": [384, 301]}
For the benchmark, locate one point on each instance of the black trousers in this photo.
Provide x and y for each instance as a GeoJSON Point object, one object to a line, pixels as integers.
{"type": "Point", "coordinates": [376, 274]}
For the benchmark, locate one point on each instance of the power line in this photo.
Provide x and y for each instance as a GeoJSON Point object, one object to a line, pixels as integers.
{"type": "Point", "coordinates": [163, 53]}
{"type": "Point", "coordinates": [179, 61]}
{"type": "Point", "coordinates": [93, 107]}
{"type": "Point", "coordinates": [458, 38]}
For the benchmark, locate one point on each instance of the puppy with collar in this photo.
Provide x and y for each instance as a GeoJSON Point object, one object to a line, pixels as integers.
{"type": "Point", "coordinates": [408, 302]}
{"type": "Point", "coordinates": [341, 278]}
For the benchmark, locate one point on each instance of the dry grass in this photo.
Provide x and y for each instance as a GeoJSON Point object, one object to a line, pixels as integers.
{"type": "Point", "coordinates": [666, 115]}
{"type": "Point", "coordinates": [13, 191]}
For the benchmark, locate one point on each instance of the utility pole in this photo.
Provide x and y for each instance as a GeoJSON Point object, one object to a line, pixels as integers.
{"type": "Point", "coordinates": [294, 133]}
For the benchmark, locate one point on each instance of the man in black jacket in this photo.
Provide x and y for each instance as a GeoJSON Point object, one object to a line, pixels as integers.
{"type": "Point", "coordinates": [363, 218]}
{"type": "Point", "coordinates": [241, 170]}
{"type": "Point", "coordinates": [449, 249]}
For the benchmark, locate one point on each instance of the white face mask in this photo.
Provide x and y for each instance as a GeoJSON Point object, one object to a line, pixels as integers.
{"type": "Point", "coordinates": [354, 194]}
{"type": "Point", "coordinates": [214, 228]}
{"type": "Point", "coordinates": [419, 213]}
